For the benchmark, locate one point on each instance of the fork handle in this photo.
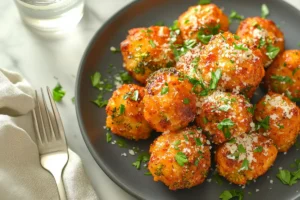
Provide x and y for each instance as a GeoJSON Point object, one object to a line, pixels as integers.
{"type": "Point", "coordinates": [55, 164]}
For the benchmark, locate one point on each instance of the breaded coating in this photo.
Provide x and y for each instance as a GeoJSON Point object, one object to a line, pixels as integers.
{"type": "Point", "coordinates": [146, 50]}
{"type": "Point", "coordinates": [169, 101]}
{"type": "Point", "coordinates": [283, 76]}
{"type": "Point", "coordinates": [264, 35]}
{"type": "Point", "coordinates": [245, 158]}
{"type": "Point", "coordinates": [180, 159]}
{"type": "Point", "coordinates": [224, 115]}
{"type": "Point", "coordinates": [125, 113]}
{"type": "Point", "coordinates": [279, 119]}
{"type": "Point", "coordinates": [202, 20]}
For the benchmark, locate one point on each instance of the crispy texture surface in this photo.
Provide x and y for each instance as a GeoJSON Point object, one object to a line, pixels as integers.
{"type": "Point", "coordinates": [202, 17]}
{"type": "Point", "coordinates": [283, 76]}
{"type": "Point", "coordinates": [260, 33]}
{"type": "Point", "coordinates": [219, 106]}
{"type": "Point", "coordinates": [128, 121]}
{"type": "Point", "coordinates": [146, 50]}
{"type": "Point", "coordinates": [164, 167]}
{"type": "Point", "coordinates": [169, 101]}
{"type": "Point", "coordinates": [241, 66]}
{"type": "Point", "coordinates": [284, 120]}
{"type": "Point", "coordinates": [230, 160]}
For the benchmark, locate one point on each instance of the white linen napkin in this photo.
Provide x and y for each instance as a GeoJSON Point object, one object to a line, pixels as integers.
{"type": "Point", "coordinates": [21, 174]}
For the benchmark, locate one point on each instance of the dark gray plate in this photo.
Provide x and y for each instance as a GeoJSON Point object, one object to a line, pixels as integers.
{"type": "Point", "coordinates": [97, 57]}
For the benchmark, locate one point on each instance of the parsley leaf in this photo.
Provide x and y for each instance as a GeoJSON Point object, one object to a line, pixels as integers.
{"type": "Point", "coordinates": [95, 78]}
{"type": "Point", "coordinates": [58, 93]}
{"type": "Point", "coordinates": [240, 47]}
{"type": "Point", "coordinates": [147, 174]}
{"type": "Point", "coordinates": [265, 123]}
{"type": "Point", "coordinates": [152, 43]}
{"type": "Point", "coordinates": [135, 95]}
{"type": "Point", "coordinates": [251, 109]}
{"type": "Point", "coordinates": [121, 143]}
{"type": "Point", "coordinates": [224, 108]}
{"type": "Point", "coordinates": [224, 126]}
{"type": "Point", "coordinates": [230, 194]}
{"type": "Point", "coordinates": [165, 89]}
{"type": "Point", "coordinates": [285, 79]}
{"type": "Point", "coordinates": [108, 138]}
{"type": "Point", "coordinates": [215, 77]}
{"type": "Point", "coordinates": [186, 100]}
{"type": "Point", "coordinates": [203, 2]}
{"type": "Point", "coordinates": [272, 51]}
{"type": "Point", "coordinates": [100, 102]}
{"type": "Point", "coordinates": [198, 142]}
{"type": "Point", "coordinates": [204, 38]}
{"type": "Point", "coordinates": [258, 149]}
{"type": "Point", "coordinates": [143, 157]}
{"type": "Point", "coordinates": [264, 11]}
{"type": "Point", "coordinates": [245, 164]}
{"type": "Point", "coordinates": [176, 143]}
{"type": "Point", "coordinates": [235, 15]}
{"type": "Point", "coordinates": [125, 77]}
{"type": "Point", "coordinates": [241, 148]}
{"type": "Point", "coordinates": [284, 176]}
{"type": "Point", "coordinates": [295, 70]}
{"type": "Point", "coordinates": [181, 158]}
{"type": "Point", "coordinates": [122, 109]}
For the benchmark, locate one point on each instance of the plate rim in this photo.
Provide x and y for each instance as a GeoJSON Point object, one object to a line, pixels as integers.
{"type": "Point", "coordinates": [87, 50]}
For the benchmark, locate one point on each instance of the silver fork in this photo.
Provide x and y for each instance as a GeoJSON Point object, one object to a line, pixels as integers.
{"type": "Point", "coordinates": [51, 140]}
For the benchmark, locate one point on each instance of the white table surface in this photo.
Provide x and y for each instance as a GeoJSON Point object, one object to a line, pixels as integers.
{"type": "Point", "coordinates": [45, 61]}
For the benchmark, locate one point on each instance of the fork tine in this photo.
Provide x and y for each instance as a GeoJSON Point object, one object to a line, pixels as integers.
{"type": "Point", "coordinates": [52, 135]}
{"type": "Point", "coordinates": [41, 119]}
{"type": "Point", "coordinates": [36, 126]}
{"type": "Point", "coordinates": [56, 116]}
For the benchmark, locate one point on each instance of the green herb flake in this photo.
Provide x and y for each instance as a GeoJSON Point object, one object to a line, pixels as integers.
{"type": "Point", "coordinates": [135, 96]}
{"type": "Point", "coordinates": [181, 158]}
{"type": "Point", "coordinates": [235, 15]}
{"type": "Point", "coordinates": [236, 37]}
{"type": "Point", "coordinates": [295, 70]}
{"type": "Point", "coordinates": [280, 126]}
{"type": "Point", "coordinates": [95, 78]}
{"type": "Point", "coordinates": [121, 143]}
{"type": "Point", "coordinates": [198, 142]}
{"type": "Point", "coordinates": [203, 2]}
{"type": "Point", "coordinates": [186, 100]}
{"type": "Point", "coordinates": [176, 143]}
{"type": "Point", "coordinates": [143, 157]}
{"type": "Point", "coordinates": [258, 149]}
{"type": "Point", "coordinates": [165, 89]}
{"type": "Point", "coordinates": [272, 51]}
{"type": "Point", "coordinates": [240, 47]}
{"type": "Point", "coordinates": [159, 23]}
{"type": "Point", "coordinates": [108, 138]}
{"type": "Point", "coordinates": [58, 93]}
{"type": "Point", "coordinates": [125, 77]}
{"type": "Point", "coordinates": [205, 121]}
{"type": "Point", "coordinates": [265, 123]}
{"type": "Point", "coordinates": [241, 148]}
{"type": "Point", "coordinates": [224, 126]}
{"type": "Point", "coordinates": [285, 79]}
{"type": "Point", "coordinates": [264, 11]}
{"type": "Point", "coordinates": [186, 138]}
{"type": "Point", "coordinates": [231, 194]}
{"type": "Point", "coordinates": [100, 102]}
{"type": "Point", "coordinates": [152, 43]}
{"type": "Point", "coordinates": [147, 174]}
{"type": "Point", "coordinates": [284, 176]}
{"type": "Point", "coordinates": [215, 77]}
{"type": "Point", "coordinates": [204, 38]}
{"type": "Point", "coordinates": [245, 165]}
{"type": "Point", "coordinates": [122, 109]}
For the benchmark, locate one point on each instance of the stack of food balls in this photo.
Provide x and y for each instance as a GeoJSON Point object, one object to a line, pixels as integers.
{"type": "Point", "coordinates": [198, 81]}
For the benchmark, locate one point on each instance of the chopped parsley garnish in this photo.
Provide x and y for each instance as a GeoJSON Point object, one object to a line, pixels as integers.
{"type": "Point", "coordinates": [290, 178]}
{"type": "Point", "coordinates": [165, 89]}
{"type": "Point", "coordinates": [203, 2]}
{"type": "Point", "coordinates": [121, 143]}
{"type": "Point", "coordinates": [186, 100]}
{"type": "Point", "coordinates": [264, 11]}
{"type": "Point", "coordinates": [205, 34]}
{"type": "Point", "coordinates": [204, 38]}
{"type": "Point", "coordinates": [295, 70]}
{"type": "Point", "coordinates": [186, 138]}
{"type": "Point", "coordinates": [217, 178]}
{"type": "Point", "coordinates": [235, 15]}
{"type": "Point", "coordinates": [152, 43]}
{"type": "Point", "coordinates": [180, 50]}
{"type": "Point", "coordinates": [205, 121]}
{"type": "Point", "coordinates": [108, 138]}
{"type": "Point", "coordinates": [147, 174]}
{"type": "Point", "coordinates": [58, 93]}
{"type": "Point", "coordinates": [142, 158]}
{"type": "Point", "coordinates": [100, 102]}
{"type": "Point", "coordinates": [236, 37]}
{"type": "Point", "coordinates": [159, 23]}
{"type": "Point", "coordinates": [245, 164]}
{"type": "Point", "coordinates": [231, 194]}
{"type": "Point", "coordinates": [186, 21]}
{"type": "Point", "coordinates": [133, 96]}
{"type": "Point", "coordinates": [176, 143]}
{"type": "Point", "coordinates": [280, 126]}
{"type": "Point", "coordinates": [197, 161]}
{"type": "Point", "coordinates": [125, 77]}
{"type": "Point", "coordinates": [265, 123]}
{"type": "Point", "coordinates": [240, 47]}
{"type": "Point", "coordinates": [272, 51]}
{"type": "Point", "coordinates": [215, 77]}
{"type": "Point", "coordinates": [198, 142]}
{"type": "Point", "coordinates": [95, 78]}
{"type": "Point", "coordinates": [224, 108]}
{"type": "Point", "coordinates": [251, 109]}
{"type": "Point", "coordinates": [73, 99]}
{"type": "Point", "coordinates": [224, 126]}
{"type": "Point", "coordinates": [241, 148]}
{"type": "Point", "coordinates": [285, 79]}
{"type": "Point", "coordinates": [181, 158]}
{"type": "Point", "coordinates": [122, 109]}
{"type": "Point", "coordinates": [258, 149]}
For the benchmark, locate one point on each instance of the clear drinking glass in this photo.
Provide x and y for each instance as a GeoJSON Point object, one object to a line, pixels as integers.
{"type": "Point", "coordinates": [51, 15]}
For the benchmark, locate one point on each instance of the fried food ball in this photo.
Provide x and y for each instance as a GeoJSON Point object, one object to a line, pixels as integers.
{"type": "Point", "coordinates": [279, 119]}
{"type": "Point", "coordinates": [180, 159]}
{"type": "Point", "coordinates": [231, 65]}
{"type": "Point", "coordinates": [224, 115]}
{"type": "Point", "coordinates": [201, 20]}
{"type": "Point", "coordinates": [264, 35]}
{"type": "Point", "coordinates": [146, 50]}
{"type": "Point", "coordinates": [169, 101]}
{"type": "Point", "coordinates": [283, 76]}
{"type": "Point", "coordinates": [125, 113]}
{"type": "Point", "coordinates": [245, 158]}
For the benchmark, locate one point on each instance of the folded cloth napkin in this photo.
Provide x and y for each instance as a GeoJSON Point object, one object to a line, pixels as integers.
{"type": "Point", "coordinates": [21, 174]}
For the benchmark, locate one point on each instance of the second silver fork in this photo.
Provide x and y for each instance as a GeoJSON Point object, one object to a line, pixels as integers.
{"type": "Point", "coordinates": [51, 139]}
